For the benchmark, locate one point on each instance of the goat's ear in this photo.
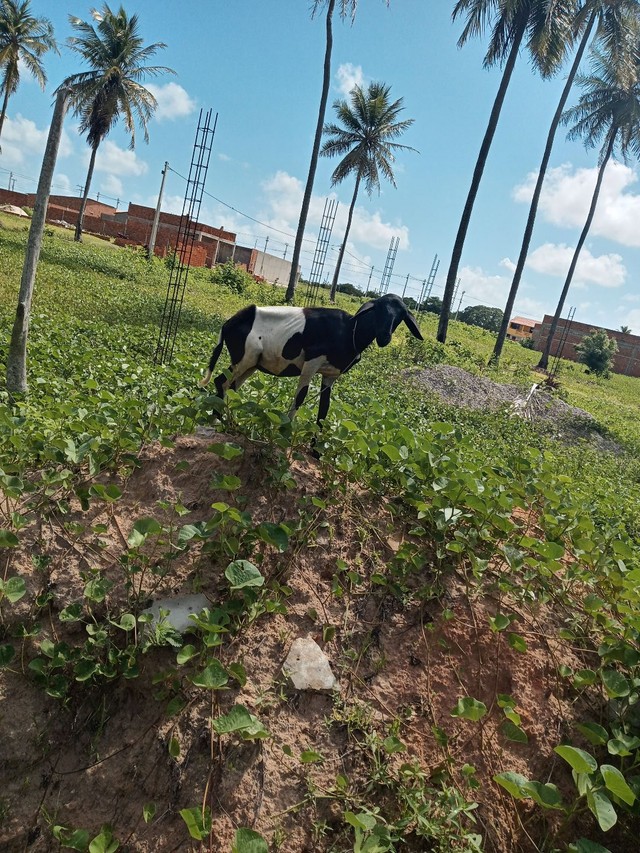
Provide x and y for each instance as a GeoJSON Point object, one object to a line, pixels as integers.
{"type": "Point", "coordinates": [413, 326]}
{"type": "Point", "coordinates": [366, 306]}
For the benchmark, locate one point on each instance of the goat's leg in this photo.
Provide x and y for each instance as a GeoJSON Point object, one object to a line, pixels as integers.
{"type": "Point", "coordinates": [309, 370]}
{"type": "Point", "coordinates": [323, 408]}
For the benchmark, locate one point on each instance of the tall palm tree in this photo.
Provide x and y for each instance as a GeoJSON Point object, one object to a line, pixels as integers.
{"type": "Point", "coordinates": [23, 39]}
{"type": "Point", "coordinates": [544, 23]}
{"type": "Point", "coordinates": [609, 109]}
{"type": "Point", "coordinates": [364, 141]}
{"type": "Point", "coordinates": [344, 6]}
{"type": "Point", "coordinates": [613, 21]}
{"type": "Point", "coordinates": [117, 57]}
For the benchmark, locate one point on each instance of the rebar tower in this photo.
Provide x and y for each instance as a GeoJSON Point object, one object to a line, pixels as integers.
{"type": "Point", "coordinates": [563, 339]}
{"type": "Point", "coordinates": [322, 246]}
{"type": "Point", "coordinates": [427, 284]}
{"type": "Point", "coordinates": [186, 237]}
{"type": "Point", "coordinates": [388, 266]}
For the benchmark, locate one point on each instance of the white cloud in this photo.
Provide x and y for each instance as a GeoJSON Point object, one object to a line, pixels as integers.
{"type": "Point", "coordinates": [554, 259]}
{"type": "Point", "coordinates": [481, 288]}
{"type": "Point", "coordinates": [632, 319]}
{"type": "Point", "coordinates": [173, 101]}
{"type": "Point", "coordinates": [567, 193]}
{"type": "Point", "coordinates": [118, 161]}
{"type": "Point", "coordinates": [21, 139]}
{"type": "Point", "coordinates": [112, 186]}
{"type": "Point", "coordinates": [349, 76]}
{"type": "Point", "coordinates": [284, 197]}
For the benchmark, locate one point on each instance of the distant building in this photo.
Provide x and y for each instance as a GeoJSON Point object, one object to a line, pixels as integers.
{"type": "Point", "coordinates": [568, 336]}
{"type": "Point", "coordinates": [521, 328]}
{"type": "Point", "coordinates": [132, 227]}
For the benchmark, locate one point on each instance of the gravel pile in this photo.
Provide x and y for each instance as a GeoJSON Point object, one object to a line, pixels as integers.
{"type": "Point", "coordinates": [459, 388]}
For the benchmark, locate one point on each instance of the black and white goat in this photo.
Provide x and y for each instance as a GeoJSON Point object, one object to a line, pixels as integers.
{"type": "Point", "coordinates": [287, 341]}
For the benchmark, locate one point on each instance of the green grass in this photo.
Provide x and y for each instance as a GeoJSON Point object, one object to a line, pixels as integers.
{"type": "Point", "coordinates": [456, 478]}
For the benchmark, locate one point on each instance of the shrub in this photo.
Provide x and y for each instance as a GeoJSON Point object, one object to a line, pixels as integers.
{"type": "Point", "coordinates": [596, 350]}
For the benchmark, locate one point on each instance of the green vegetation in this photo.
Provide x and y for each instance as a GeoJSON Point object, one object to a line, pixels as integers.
{"type": "Point", "coordinates": [487, 504]}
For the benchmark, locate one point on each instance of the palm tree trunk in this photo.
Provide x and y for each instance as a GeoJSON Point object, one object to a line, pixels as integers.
{"type": "Point", "coordinates": [533, 209]}
{"type": "Point", "coordinates": [336, 274]}
{"type": "Point", "coordinates": [306, 200]}
{"type": "Point", "coordinates": [4, 109]}
{"type": "Point", "coordinates": [17, 354]}
{"type": "Point", "coordinates": [92, 162]}
{"type": "Point", "coordinates": [544, 359]}
{"type": "Point", "coordinates": [452, 275]}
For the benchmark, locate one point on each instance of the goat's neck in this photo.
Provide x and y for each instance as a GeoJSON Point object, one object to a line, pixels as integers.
{"type": "Point", "coordinates": [364, 332]}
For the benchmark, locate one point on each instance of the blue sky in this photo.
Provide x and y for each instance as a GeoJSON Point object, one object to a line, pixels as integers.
{"type": "Point", "coordinates": [258, 65]}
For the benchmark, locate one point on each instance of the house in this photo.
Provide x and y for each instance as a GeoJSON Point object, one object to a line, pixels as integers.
{"type": "Point", "coordinates": [521, 328]}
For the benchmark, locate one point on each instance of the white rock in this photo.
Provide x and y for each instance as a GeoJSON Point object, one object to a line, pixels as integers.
{"type": "Point", "coordinates": [179, 608]}
{"type": "Point", "coordinates": [308, 667]}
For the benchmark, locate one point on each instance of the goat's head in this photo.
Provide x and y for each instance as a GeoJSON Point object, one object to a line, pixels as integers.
{"type": "Point", "coordinates": [385, 315]}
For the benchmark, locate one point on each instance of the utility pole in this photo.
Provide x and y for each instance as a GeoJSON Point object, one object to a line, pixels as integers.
{"type": "Point", "coordinates": [459, 304]}
{"type": "Point", "coordinates": [404, 289]}
{"type": "Point", "coordinates": [266, 243]}
{"type": "Point", "coordinates": [156, 216]}
{"type": "Point", "coordinates": [286, 248]}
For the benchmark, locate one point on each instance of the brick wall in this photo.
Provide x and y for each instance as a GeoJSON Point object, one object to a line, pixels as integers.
{"type": "Point", "coordinates": [626, 360]}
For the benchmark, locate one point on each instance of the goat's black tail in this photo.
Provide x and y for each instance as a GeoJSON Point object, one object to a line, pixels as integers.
{"type": "Point", "coordinates": [213, 361]}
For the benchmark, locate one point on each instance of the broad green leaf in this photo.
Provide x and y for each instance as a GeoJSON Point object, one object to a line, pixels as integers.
{"type": "Point", "coordinates": [213, 676]}
{"type": "Point", "coordinates": [149, 812]}
{"type": "Point", "coordinates": [104, 842]}
{"type": "Point", "coordinates": [8, 539]}
{"type": "Point", "coordinates": [225, 450]}
{"type": "Point", "coordinates": [602, 809]}
{"type": "Point", "coordinates": [310, 756]}
{"type": "Point", "coordinates": [514, 783]}
{"type": "Point", "coordinates": [499, 622]}
{"type": "Point", "coordinates": [615, 683]}
{"type": "Point", "coordinates": [7, 654]}
{"type": "Point", "coordinates": [13, 589]}
{"type": "Point", "coordinates": [583, 845]}
{"type": "Point", "coordinates": [249, 841]}
{"type": "Point", "coordinates": [547, 796]}
{"type": "Point", "coordinates": [198, 824]}
{"type": "Point", "coordinates": [513, 732]}
{"type": "Point", "coordinates": [174, 747]}
{"type": "Point", "coordinates": [143, 528]}
{"type": "Point", "coordinates": [363, 821]}
{"type": "Point", "coordinates": [579, 760]}
{"type": "Point", "coordinates": [185, 654]}
{"type": "Point", "coordinates": [242, 573]}
{"type": "Point", "coordinates": [469, 709]}
{"type": "Point", "coordinates": [517, 642]}
{"type": "Point", "coordinates": [240, 720]}
{"type": "Point", "coordinates": [594, 733]}
{"type": "Point", "coordinates": [617, 784]}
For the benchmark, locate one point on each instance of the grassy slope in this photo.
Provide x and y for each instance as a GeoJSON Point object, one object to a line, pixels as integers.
{"type": "Point", "coordinates": [96, 395]}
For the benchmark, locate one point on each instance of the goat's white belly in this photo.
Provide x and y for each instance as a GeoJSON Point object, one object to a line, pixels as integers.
{"type": "Point", "coordinates": [272, 328]}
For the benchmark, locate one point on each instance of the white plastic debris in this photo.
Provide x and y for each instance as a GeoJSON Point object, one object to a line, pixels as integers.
{"type": "Point", "coordinates": [178, 609]}
{"type": "Point", "coordinates": [308, 667]}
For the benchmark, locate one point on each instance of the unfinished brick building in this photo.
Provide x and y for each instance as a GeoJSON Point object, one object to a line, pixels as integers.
{"type": "Point", "coordinates": [132, 227]}
{"type": "Point", "coordinates": [626, 360]}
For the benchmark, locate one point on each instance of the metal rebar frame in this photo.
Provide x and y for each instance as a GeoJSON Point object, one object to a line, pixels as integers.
{"type": "Point", "coordinates": [563, 339]}
{"type": "Point", "coordinates": [322, 246]}
{"type": "Point", "coordinates": [427, 284]}
{"type": "Point", "coordinates": [388, 266]}
{"type": "Point", "coordinates": [185, 240]}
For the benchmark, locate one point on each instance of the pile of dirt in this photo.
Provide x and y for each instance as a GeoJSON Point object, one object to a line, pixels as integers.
{"type": "Point", "coordinates": [102, 755]}
{"type": "Point", "coordinates": [458, 387]}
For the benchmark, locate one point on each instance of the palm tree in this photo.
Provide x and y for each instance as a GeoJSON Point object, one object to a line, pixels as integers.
{"type": "Point", "coordinates": [614, 20]}
{"type": "Point", "coordinates": [23, 39]}
{"type": "Point", "coordinates": [609, 109]}
{"type": "Point", "coordinates": [115, 52]}
{"type": "Point", "coordinates": [364, 141]}
{"type": "Point", "coordinates": [626, 330]}
{"type": "Point", "coordinates": [313, 165]}
{"type": "Point", "coordinates": [545, 25]}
